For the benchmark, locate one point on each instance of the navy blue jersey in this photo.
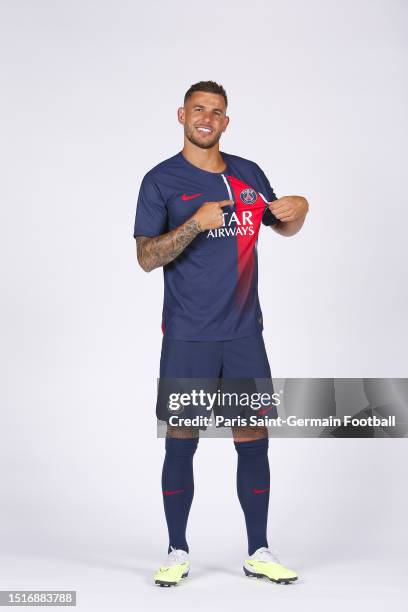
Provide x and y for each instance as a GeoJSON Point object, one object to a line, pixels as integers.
{"type": "Point", "coordinates": [211, 288]}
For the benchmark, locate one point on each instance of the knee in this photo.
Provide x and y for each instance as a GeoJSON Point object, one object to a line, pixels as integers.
{"type": "Point", "coordinates": [180, 447]}
{"type": "Point", "coordinates": [255, 449]}
{"type": "Point", "coordinates": [246, 434]}
{"type": "Point", "coordinates": [182, 432]}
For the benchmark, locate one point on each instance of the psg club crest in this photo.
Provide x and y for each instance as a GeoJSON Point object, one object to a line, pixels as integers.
{"type": "Point", "coordinates": [248, 196]}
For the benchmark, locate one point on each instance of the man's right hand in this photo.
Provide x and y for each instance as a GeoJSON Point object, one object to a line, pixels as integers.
{"type": "Point", "coordinates": [155, 251]}
{"type": "Point", "coordinates": [210, 215]}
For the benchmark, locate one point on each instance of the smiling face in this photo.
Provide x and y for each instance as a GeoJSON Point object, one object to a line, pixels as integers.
{"type": "Point", "coordinates": [204, 118]}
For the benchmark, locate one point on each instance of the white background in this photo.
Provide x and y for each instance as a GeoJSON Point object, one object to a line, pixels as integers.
{"type": "Point", "coordinates": [318, 98]}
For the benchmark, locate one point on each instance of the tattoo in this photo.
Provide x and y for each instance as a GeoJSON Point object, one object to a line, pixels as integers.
{"type": "Point", "coordinates": [161, 250]}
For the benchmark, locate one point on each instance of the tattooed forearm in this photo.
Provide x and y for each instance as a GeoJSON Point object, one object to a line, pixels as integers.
{"type": "Point", "coordinates": [161, 250]}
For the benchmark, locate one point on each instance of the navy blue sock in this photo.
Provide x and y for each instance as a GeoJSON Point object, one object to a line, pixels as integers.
{"type": "Point", "coordinates": [253, 480]}
{"type": "Point", "coordinates": [178, 487]}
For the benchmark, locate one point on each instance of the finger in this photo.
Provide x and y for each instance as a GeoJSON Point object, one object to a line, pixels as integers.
{"type": "Point", "coordinates": [286, 218]}
{"type": "Point", "coordinates": [280, 215]}
{"type": "Point", "coordinates": [280, 209]}
{"type": "Point", "coordinates": [277, 202]}
{"type": "Point", "coordinates": [224, 203]}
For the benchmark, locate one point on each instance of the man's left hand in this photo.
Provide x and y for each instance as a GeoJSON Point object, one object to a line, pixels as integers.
{"type": "Point", "coordinates": [289, 208]}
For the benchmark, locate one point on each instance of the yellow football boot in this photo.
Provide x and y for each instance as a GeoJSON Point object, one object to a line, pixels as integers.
{"type": "Point", "coordinates": [264, 564]}
{"type": "Point", "coordinates": [174, 569]}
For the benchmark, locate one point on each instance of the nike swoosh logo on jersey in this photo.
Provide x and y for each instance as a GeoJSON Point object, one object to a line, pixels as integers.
{"type": "Point", "coordinates": [262, 412]}
{"type": "Point", "coordinates": [173, 492]}
{"type": "Point", "coordinates": [190, 197]}
{"type": "Point", "coordinates": [259, 490]}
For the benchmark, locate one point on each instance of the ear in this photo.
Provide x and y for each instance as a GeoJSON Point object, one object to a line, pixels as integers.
{"type": "Point", "coordinates": [180, 115]}
{"type": "Point", "coordinates": [226, 122]}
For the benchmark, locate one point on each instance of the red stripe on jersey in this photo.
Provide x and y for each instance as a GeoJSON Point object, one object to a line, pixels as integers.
{"type": "Point", "coordinates": [246, 242]}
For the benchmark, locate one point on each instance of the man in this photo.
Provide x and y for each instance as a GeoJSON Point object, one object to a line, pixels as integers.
{"type": "Point", "coordinates": [198, 215]}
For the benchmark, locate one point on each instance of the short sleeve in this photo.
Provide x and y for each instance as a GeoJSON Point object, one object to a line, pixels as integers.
{"type": "Point", "coordinates": [151, 210]}
{"type": "Point", "coordinates": [268, 218]}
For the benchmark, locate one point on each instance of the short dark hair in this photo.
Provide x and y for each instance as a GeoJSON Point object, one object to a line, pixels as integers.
{"type": "Point", "coordinates": [209, 87]}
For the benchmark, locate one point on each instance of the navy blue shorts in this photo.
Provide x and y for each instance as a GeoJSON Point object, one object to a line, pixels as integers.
{"type": "Point", "coordinates": [232, 366]}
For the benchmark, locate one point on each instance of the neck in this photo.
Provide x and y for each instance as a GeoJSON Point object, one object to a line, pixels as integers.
{"type": "Point", "coordinates": [206, 159]}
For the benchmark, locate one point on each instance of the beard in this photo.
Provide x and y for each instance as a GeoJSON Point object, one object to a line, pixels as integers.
{"type": "Point", "coordinates": [206, 143]}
